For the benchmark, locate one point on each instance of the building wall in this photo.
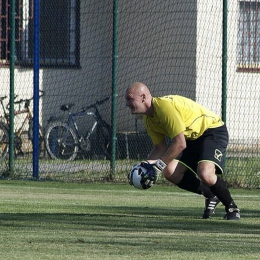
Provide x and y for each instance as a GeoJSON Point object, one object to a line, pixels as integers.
{"type": "Point", "coordinates": [242, 88]}
{"type": "Point", "coordinates": [81, 86]}
{"type": "Point", "coordinates": [174, 47]}
{"type": "Point", "coordinates": [209, 54]}
{"type": "Point", "coordinates": [157, 46]}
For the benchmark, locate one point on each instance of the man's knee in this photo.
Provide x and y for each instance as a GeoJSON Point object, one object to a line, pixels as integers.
{"type": "Point", "coordinates": [207, 173]}
{"type": "Point", "coordinates": [174, 172]}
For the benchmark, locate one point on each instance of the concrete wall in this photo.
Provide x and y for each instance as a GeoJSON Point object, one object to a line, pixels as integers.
{"type": "Point", "coordinates": [243, 88]}
{"type": "Point", "coordinates": [175, 47]}
{"type": "Point", "coordinates": [157, 46]}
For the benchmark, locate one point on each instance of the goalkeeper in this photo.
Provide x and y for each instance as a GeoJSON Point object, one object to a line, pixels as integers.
{"type": "Point", "coordinates": [199, 140]}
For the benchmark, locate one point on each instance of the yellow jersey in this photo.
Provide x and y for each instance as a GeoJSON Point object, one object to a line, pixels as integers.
{"type": "Point", "coordinates": [174, 114]}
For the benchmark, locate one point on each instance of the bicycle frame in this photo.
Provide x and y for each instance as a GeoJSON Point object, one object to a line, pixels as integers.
{"type": "Point", "coordinates": [19, 111]}
{"type": "Point", "coordinates": [72, 122]}
{"type": "Point", "coordinates": [6, 115]}
{"type": "Point", "coordinates": [21, 126]}
{"type": "Point", "coordinates": [64, 140]}
{"type": "Point", "coordinates": [27, 118]}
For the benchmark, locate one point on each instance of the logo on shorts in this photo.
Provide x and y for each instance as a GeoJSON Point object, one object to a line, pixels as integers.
{"type": "Point", "coordinates": [218, 155]}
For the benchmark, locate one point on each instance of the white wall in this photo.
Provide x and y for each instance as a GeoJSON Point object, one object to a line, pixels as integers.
{"type": "Point", "coordinates": [178, 52]}
{"type": "Point", "coordinates": [243, 89]}
{"type": "Point", "coordinates": [209, 51]}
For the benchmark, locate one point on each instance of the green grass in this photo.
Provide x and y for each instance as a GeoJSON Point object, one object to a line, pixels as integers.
{"type": "Point", "coordinates": [47, 220]}
{"type": "Point", "coordinates": [239, 172]}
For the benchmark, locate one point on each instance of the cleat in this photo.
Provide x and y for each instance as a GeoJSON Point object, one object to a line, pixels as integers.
{"type": "Point", "coordinates": [232, 214]}
{"type": "Point", "coordinates": [210, 205]}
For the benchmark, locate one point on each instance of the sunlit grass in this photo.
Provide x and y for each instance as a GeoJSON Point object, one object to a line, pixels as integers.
{"type": "Point", "coordinates": [43, 220]}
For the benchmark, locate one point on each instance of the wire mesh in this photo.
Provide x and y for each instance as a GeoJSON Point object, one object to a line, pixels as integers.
{"type": "Point", "coordinates": [175, 47]}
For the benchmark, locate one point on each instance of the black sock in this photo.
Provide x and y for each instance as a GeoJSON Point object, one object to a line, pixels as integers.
{"type": "Point", "coordinates": [191, 183]}
{"type": "Point", "coordinates": [220, 189]}
{"type": "Point", "coordinates": [205, 190]}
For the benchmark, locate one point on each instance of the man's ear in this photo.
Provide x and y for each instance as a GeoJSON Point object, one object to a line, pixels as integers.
{"type": "Point", "coordinates": [143, 98]}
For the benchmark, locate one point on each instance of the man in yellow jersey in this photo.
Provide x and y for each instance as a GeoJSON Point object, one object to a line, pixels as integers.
{"type": "Point", "coordinates": [199, 141]}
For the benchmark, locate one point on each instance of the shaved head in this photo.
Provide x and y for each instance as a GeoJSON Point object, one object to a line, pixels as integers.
{"type": "Point", "coordinates": [139, 99]}
{"type": "Point", "coordinates": [139, 88]}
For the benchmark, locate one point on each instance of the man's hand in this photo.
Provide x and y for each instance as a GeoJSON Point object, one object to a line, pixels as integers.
{"type": "Point", "coordinates": [157, 167]}
{"type": "Point", "coordinates": [153, 170]}
{"type": "Point", "coordinates": [150, 177]}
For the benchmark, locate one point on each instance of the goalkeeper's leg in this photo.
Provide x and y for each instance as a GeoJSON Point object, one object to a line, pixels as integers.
{"type": "Point", "coordinates": [190, 182]}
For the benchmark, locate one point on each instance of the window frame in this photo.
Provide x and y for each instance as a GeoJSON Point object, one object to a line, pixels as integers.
{"type": "Point", "coordinates": [24, 39]}
{"type": "Point", "coordinates": [248, 42]}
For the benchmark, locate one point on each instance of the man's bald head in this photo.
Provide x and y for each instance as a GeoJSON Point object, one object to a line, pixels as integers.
{"type": "Point", "coordinates": [139, 99]}
{"type": "Point", "coordinates": [139, 88]}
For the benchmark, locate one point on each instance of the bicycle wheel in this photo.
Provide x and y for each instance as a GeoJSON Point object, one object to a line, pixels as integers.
{"type": "Point", "coordinates": [41, 148]}
{"type": "Point", "coordinates": [104, 137]}
{"type": "Point", "coordinates": [61, 141]}
{"type": "Point", "coordinates": [4, 141]}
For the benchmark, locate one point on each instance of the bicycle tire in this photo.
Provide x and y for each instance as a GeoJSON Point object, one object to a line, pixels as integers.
{"type": "Point", "coordinates": [61, 141]}
{"type": "Point", "coordinates": [4, 141]}
{"type": "Point", "coordinates": [41, 138]}
{"type": "Point", "coordinates": [104, 136]}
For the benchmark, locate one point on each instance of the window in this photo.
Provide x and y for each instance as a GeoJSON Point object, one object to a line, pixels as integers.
{"type": "Point", "coordinates": [59, 33]}
{"type": "Point", "coordinates": [249, 36]}
{"type": "Point", "coordinates": [5, 29]}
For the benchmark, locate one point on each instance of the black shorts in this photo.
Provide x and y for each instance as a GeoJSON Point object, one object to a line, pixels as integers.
{"type": "Point", "coordinates": [211, 146]}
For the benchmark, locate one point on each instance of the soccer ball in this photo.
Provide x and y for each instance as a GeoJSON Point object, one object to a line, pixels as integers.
{"type": "Point", "coordinates": [135, 176]}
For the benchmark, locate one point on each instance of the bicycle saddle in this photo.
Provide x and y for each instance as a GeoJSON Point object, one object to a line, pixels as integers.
{"type": "Point", "coordinates": [66, 107]}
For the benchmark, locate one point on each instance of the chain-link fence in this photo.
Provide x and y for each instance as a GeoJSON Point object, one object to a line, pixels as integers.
{"type": "Point", "coordinates": [204, 50]}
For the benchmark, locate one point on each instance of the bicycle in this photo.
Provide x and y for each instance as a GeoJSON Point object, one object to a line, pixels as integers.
{"type": "Point", "coordinates": [23, 136]}
{"type": "Point", "coordinates": [64, 141]}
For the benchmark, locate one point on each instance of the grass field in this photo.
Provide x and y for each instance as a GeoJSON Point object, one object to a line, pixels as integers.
{"type": "Point", "coordinates": [48, 220]}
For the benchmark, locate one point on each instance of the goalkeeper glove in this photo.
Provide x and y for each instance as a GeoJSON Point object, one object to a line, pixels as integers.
{"type": "Point", "coordinates": [154, 170]}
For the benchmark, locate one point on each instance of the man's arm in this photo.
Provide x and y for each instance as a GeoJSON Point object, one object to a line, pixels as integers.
{"type": "Point", "coordinates": [160, 157]}
{"type": "Point", "coordinates": [160, 151]}
{"type": "Point", "coordinates": [177, 146]}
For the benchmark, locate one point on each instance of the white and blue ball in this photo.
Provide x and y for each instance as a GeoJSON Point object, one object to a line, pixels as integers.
{"type": "Point", "coordinates": [136, 176]}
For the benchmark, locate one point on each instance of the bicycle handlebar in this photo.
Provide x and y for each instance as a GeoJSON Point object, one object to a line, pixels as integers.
{"type": "Point", "coordinates": [2, 98]}
{"type": "Point", "coordinates": [27, 101]}
{"type": "Point", "coordinates": [98, 102]}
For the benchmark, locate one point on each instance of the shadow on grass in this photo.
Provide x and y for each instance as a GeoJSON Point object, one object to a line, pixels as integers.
{"type": "Point", "coordinates": [137, 231]}
{"type": "Point", "coordinates": [134, 218]}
